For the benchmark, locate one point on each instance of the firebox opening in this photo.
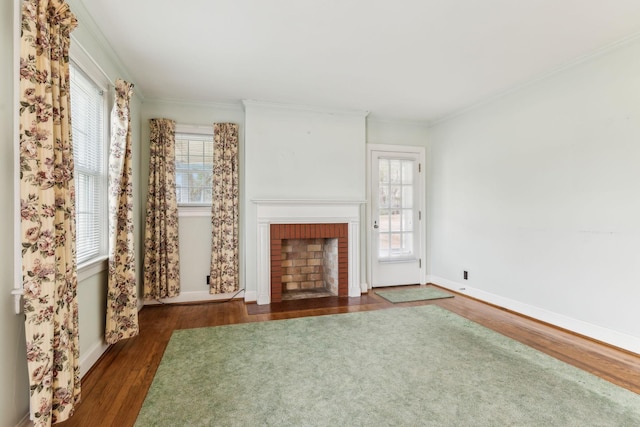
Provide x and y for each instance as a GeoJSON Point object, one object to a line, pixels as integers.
{"type": "Point", "coordinates": [309, 268]}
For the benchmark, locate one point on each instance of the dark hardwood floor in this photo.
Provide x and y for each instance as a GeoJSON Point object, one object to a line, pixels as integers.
{"type": "Point", "coordinates": [114, 389]}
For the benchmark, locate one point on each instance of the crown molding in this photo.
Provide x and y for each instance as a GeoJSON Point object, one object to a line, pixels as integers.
{"type": "Point", "coordinates": [375, 118]}
{"type": "Point", "coordinates": [221, 105]}
{"type": "Point", "coordinates": [302, 108]}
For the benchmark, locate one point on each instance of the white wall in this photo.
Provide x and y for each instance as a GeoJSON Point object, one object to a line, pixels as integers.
{"type": "Point", "coordinates": [537, 196]}
{"type": "Point", "coordinates": [391, 132]}
{"type": "Point", "coordinates": [194, 231]}
{"type": "Point", "coordinates": [298, 153]}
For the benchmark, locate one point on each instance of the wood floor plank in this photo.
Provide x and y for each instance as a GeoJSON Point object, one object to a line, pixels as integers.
{"type": "Point", "coordinates": [114, 389]}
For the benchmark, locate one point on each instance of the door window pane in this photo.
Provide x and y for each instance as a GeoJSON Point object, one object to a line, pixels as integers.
{"type": "Point", "coordinates": [396, 213]}
{"type": "Point", "coordinates": [383, 170]}
{"type": "Point", "coordinates": [407, 172]}
{"type": "Point", "coordinates": [396, 196]}
{"type": "Point", "coordinates": [383, 221]}
{"type": "Point", "coordinates": [384, 196]}
{"type": "Point", "coordinates": [407, 220]}
{"type": "Point", "coordinates": [395, 171]}
{"type": "Point", "coordinates": [407, 196]}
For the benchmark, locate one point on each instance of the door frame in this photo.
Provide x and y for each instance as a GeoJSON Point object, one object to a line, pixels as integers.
{"type": "Point", "coordinates": [422, 185]}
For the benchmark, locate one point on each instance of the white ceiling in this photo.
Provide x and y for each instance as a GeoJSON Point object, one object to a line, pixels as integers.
{"type": "Point", "coordinates": [403, 59]}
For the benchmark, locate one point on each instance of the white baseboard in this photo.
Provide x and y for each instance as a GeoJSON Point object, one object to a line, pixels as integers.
{"type": "Point", "coordinates": [608, 336]}
{"type": "Point", "coordinates": [92, 356]}
{"type": "Point", "coordinates": [250, 296]}
{"type": "Point", "coordinates": [88, 360]}
{"type": "Point", "coordinates": [196, 296]}
{"type": "Point", "coordinates": [25, 422]}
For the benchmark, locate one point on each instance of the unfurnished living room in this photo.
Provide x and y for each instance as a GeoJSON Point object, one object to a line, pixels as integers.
{"type": "Point", "coordinates": [320, 213]}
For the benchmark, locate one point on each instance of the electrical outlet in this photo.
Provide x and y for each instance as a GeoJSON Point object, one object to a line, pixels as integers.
{"type": "Point", "coordinates": [466, 275]}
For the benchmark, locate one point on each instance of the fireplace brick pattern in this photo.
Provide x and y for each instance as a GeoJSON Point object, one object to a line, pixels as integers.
{"type": "Point", "coordinates": [302, 264]}
{"type": "Point", "coordinates": [280, 232]}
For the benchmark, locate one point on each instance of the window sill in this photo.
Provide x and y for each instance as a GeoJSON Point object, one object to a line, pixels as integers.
{"type": "Point", "coordinates": [194, 210]}
{"type": "Point", "coordinates": [93, 267]}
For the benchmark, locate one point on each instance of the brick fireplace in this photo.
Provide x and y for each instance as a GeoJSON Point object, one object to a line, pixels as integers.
{"type": "Point", "coordinates": [304, 268]}
{"type": "Point", "coordinates": [281, 220]}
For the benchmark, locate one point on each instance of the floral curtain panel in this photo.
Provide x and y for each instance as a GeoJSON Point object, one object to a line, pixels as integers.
{"type": "Point", "coordinates": [161, 258]}
{"type": "Point", "coordinates": [122, 295]}
{"type": "Point", "coordinates": [224, 251]}
{"type": "Point", "coordinates": [47, 202]}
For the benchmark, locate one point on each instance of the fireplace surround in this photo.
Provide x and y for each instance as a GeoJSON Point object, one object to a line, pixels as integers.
{"type": "Point", "coordinates": [290, 219]}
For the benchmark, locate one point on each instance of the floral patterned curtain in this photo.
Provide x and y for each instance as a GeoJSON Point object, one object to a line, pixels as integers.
{"type": "Point", "coordinates": [47, 203]}
{"type": "Point", "coordinates": [161, 258]}
{"type": "Point", "coordinates": [122, 294]}
{"type": "Point", "coordinates": [224, 250]}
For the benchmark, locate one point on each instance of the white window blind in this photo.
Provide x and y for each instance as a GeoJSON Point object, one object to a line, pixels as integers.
{"type": "Point", "coordinates": [89, 148]}
{"type": "Point", "coordinates": [194, 168]}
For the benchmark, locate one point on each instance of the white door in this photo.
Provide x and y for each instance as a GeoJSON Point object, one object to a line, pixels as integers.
{"type": "Point", "coordinates": [397, 200]}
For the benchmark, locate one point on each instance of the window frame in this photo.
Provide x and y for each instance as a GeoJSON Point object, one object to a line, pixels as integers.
{"type": "Point", "coordinates": [82, 61]}
{"type": "Point", "coordinates": [194, 209]}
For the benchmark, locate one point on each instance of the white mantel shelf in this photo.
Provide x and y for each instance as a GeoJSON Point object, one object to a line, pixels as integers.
{"type": "Point", "coordinates": [306, 211]}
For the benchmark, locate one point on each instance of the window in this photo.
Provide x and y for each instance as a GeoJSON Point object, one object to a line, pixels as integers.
{"type": "Point", "coordinates": [90, 172]}
{"type": "Point", "coordinates": [194, 168]}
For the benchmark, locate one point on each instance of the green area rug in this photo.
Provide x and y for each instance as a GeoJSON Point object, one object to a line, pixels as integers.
{"type": "Point", "coordinates": [415, 366]}
{"type": "Point", "coordinates": [412, 294]}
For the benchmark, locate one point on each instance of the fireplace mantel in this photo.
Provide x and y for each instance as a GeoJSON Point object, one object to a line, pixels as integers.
{"type": "Point", "coordinates": [306, 211]}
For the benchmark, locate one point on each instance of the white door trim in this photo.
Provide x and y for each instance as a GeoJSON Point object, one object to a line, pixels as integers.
{"type": "Point", "coordinates": [421, 152]}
